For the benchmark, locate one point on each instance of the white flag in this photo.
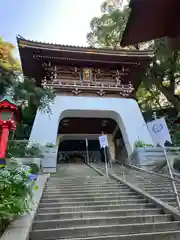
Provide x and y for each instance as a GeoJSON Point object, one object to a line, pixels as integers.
{"type": "Point", "coordinates": [103, 141]}
{"type": "Point", "coordinates": [159, 131]}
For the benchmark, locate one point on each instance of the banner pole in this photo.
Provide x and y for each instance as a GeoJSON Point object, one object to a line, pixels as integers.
{"type": "Point", "coordinates": [106, 166]}
{"type": "Point", "coordinates": [172, 178]}
{"type": "Point", "coordinates": [167, 159]}
{"type": "Point", "coordinates": [87, 152]}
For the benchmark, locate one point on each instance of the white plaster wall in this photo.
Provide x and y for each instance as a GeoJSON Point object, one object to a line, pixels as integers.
{"type": "Point", "coordinates": [125, 112]}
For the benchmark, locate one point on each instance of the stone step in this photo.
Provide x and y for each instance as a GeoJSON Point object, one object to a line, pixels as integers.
{"type": "Point", "coordinates": [153, 184]}
{"type": "Point", "coordinates": [74, 183]}
{"type": "Point", "coordinates": [54, 178]}
{"type": "Point", "coordinates": [89, 198]}
{"type": "Point", "coordinates": [97, 194]}
{"type": "Point", "coordinates": [61, 223]}
{"type": "Point", "coordinates": [82, 184]}
{"type": "Point", "coordinates": [99, 188]}
{"type": "Point", "coordinates": [162, 191]}
{"type": "Point", "coordinates": [96, 208]}
{"type": "Point", "coordinates": [71, 178]}
{"type": "Point", "coordinates": [158, 180]}
{"type": "Point", "coordinates": [92, 203]}
{"type": "Point", "coordinates": [82, 190]}
{"type": "Point", "coordinates": [165, 235]}
{"type": "Point", "coordinates": [78, 177]}
{"type": "Point", "coordinates": [90, 214]}
{"type": "Point", "coordinates": [163, 194]}
{"type": "Point", "coordinates": [169, 199]}
{"type": "Point", "coordinates": [153, 179]}
{"type": "Point", "coordinates": [90, 231]}
{"type": "Point", "coordinates": [158, 188]}
{"type": "Point", "coordinates": [88, 194]}
{"type": "Point", "coordinates": [93, 179]}
{"type": "Point", "coordinates": [150, 185]}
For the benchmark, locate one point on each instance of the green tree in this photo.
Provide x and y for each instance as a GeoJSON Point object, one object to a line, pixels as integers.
{"type": "Point", "coordinates": [148, 98]}
{"type": "Point", "coordinates": [108, 29]}
{"type": "Point", "coordinates": [22, 89]}
{"type": "Point", "coordinates": [165, 71]}
{"type": "Point", "coordinates": [162, 78]}
{"type": "Point", "coordinates": [7, 61]}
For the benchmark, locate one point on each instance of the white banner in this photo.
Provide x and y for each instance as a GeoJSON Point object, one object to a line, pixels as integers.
{"type": "Point", "coordinates": [103, 141]}
{"type": "Point", "coordinates": [159, 131]}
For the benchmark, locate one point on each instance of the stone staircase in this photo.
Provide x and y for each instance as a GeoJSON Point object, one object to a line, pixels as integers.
{"type": "Point", "coordinates": [93, 207]}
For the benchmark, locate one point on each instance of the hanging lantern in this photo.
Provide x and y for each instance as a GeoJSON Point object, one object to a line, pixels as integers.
{"type": "Point", "coordinates": [9, 114]}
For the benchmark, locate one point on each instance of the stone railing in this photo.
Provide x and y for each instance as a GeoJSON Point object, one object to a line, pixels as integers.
{"type": "Point", "coordinates": [153, 158]}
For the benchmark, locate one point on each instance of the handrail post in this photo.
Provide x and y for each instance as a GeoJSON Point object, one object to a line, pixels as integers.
{"type": "Point", "coordinates": [123, 172]}
{"type": "Point", "coordinates": [106, 164]}
{"type": "Point", "coordinates": [172, 179]}
{"type": "Point", "coordinates": [87, 151]}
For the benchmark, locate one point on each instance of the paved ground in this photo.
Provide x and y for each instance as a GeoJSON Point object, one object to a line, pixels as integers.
{"type": "Point", "coordinates": [75, 169]}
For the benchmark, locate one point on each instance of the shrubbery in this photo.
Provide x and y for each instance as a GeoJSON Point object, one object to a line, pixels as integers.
{"type": "Point", "coordinates": [34, 168]}
{"type": "Point", "coordinates": [21, 149]}
{"type": "Point", "coordinates": [16, 185]}
{"type": "Point", "coordinates": [140, 143]}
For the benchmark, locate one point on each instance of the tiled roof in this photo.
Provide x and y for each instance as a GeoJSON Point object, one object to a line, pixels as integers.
{"type": "Point", "coordinates": [20, 38]}
{"type": "Point", "coordinates": [54, 46]}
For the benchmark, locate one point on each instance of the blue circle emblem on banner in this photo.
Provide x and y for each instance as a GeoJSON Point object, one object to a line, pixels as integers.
{"type": "Point", "coordinates": [156, 128]}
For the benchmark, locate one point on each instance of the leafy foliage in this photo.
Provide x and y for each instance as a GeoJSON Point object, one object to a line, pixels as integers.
{"type": "Point", "coordinates": [27, 90]}
{"type": "Point", "coordinates": [165, 72]}
{"type": "Point", "coordinates": [21, 149]}
{"type": "Point", "coordinates": [148, 97]}
{"type": "Point", "coordinates": [108, 29]}
{"type": "Point", "coordinates": [22, 89]}
{"type": "Point", "coordinates": [161, 79]}
{"type": "Point", "coordinates": [7, 60]}
{"type": "Point", "coordinates": [34, 168]}
{"type": "Point", "coordinates": [174, 129]}
{"type": "Point", "coordinates": [140, 143]}
{"type": "Point", "coordinates": [50, 145]}
{"type": "Point", "coordinates": [16, 187]}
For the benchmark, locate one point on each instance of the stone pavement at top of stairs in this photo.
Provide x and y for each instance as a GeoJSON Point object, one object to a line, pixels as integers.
{"type": "Point", "coordinates": [78, 204]}
{"type": "Point", "coordinates": [74, 170]}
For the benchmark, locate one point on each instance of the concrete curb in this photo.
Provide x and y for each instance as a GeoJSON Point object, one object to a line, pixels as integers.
{"type": "Point", "coordinates": [158, 203]}
{"type": "Point", "coordinates": [20, 228]}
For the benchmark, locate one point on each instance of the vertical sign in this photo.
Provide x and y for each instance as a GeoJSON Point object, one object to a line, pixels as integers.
{"type": "Point", "coordinates": [103, 141]}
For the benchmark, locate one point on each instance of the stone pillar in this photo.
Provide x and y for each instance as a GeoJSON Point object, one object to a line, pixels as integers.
{"type": "Point", "coordinates": [49, 161]}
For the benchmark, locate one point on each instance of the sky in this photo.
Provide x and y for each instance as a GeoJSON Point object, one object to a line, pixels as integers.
{"type": "Point", "coordinates": [55, 21]}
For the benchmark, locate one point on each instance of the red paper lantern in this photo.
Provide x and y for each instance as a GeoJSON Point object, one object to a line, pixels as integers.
{"type": "Point", "coordinates": [9, 114]}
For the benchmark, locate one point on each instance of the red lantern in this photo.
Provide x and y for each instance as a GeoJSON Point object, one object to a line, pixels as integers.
{"type": "Point", "coordinates": [9, 114]}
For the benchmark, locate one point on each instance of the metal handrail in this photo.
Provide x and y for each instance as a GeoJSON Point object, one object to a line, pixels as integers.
{"type": "Point", "coordinates": [173, 180]}
{"type": "Point", "coordinates": [175, 193]}
{"type": "Point", "coordinates": [149, 172]}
